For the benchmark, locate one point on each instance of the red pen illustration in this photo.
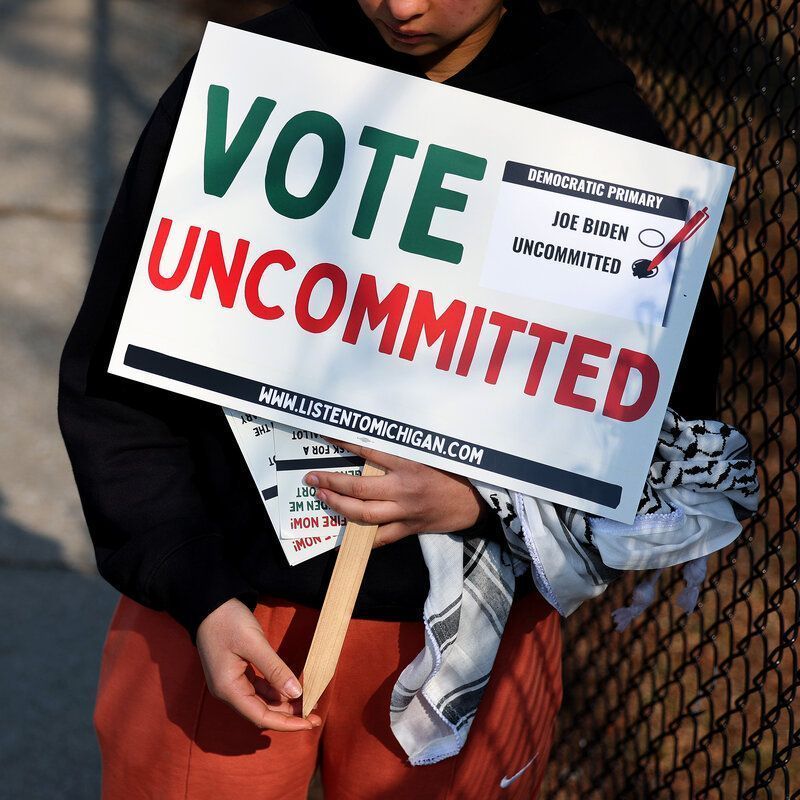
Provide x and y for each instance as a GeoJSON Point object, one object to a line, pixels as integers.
{"type": "Point", "coordinates": [648, 269]}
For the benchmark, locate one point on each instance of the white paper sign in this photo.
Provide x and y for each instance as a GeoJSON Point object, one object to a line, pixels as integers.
{"type": "Point", "coordinates": [298, 452]}
{"type": "Point", "coordinates": [332, 247]}
{"type": "Point", "coordinates": [256, 441]}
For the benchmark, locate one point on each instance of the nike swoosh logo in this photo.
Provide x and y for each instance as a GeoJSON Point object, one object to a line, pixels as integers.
{"type": "Point", "coordinates": [506, 782]}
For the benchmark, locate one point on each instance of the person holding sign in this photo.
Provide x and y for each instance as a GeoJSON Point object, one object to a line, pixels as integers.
{"type": "Point", "coordinates": [178, 528]}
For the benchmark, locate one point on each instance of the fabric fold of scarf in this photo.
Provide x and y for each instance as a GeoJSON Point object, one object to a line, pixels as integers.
{"type": "Point", "coordinates": [702, 481]}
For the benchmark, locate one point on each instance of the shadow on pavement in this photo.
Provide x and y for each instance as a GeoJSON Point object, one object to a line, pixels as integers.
{"type": "Point", "coordinates": [54, 623]}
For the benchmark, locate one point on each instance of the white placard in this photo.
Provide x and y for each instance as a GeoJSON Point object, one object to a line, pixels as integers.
{"type": "Point", "coordinates": [332, 247]}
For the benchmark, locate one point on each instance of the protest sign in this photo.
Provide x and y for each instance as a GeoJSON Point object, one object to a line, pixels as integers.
{"type": "Point", "coordinates": [297, 453]}
{"type": "Point", "coordinates": [255, 437]}
{"type": "Point", "coordinates": [461, 281]}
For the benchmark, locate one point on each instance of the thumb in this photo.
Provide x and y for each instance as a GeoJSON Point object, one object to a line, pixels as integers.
{"type": "Point", "coordinates": [259, 653]}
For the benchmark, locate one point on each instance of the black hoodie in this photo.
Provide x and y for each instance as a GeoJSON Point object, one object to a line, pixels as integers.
{"type": "Point", "coordinates": [173, 513]}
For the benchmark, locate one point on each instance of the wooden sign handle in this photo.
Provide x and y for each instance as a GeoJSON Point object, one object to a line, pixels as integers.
{"type": "Point", "coordinates": [337, 608]}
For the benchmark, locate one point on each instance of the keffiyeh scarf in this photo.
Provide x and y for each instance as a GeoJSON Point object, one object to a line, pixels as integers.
{"type": "Point", "coordinates": [702, 481]}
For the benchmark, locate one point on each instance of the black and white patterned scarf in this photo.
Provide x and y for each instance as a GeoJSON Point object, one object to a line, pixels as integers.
{"type": "Point", "coordinates": [701, 482]}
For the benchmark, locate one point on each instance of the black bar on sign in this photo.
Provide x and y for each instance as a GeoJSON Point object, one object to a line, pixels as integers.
{"type": "Point", "coordinates": [214, 380]}
{"type": "Point", "coordinates": [672, 207]}
{"type": "Point", "coordinates": [319, 463]}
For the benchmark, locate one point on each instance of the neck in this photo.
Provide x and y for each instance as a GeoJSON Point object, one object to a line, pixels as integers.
{"type": "Point", "coordinates": [445, 63]}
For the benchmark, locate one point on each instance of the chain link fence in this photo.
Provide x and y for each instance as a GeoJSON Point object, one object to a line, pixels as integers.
{"type": "Point", "coordinates": [705, 705]}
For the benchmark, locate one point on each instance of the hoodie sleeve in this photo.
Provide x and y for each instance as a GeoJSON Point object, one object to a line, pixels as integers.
{"type": "Point", "coordinates": [153, 538]}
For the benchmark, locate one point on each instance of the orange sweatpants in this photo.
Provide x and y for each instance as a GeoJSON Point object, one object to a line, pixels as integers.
{"type": "Point", "coordinates": [163, 737]}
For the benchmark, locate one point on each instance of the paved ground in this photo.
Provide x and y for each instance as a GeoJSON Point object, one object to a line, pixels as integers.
{"type": "Point", "coordinates": [77, 81]}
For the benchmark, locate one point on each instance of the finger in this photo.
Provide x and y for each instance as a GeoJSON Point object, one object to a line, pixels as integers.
{"type": "Point", "coordinates": [257, 651]}
{"type": "Point", "coordinates": [271, 696]}
{"type": "Point", "coordinates": [276, 701]}
{"type": "Point", "coordinates": [378, 457]}
{"type": "Point", "coordinates": [256, 711]}
{"type": "Point", "coordinates": [264, 689]}
{"type": "Point", "coordinates": [392, 532]}
{"type": "Point", "coordinates": [367, 512]}
{"type": "Point", "coordinates": [242, 697]}
{"type": "Point", "coordinates": [292, 708]}
{"type": "Point", "coordinates": [372, 488]}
